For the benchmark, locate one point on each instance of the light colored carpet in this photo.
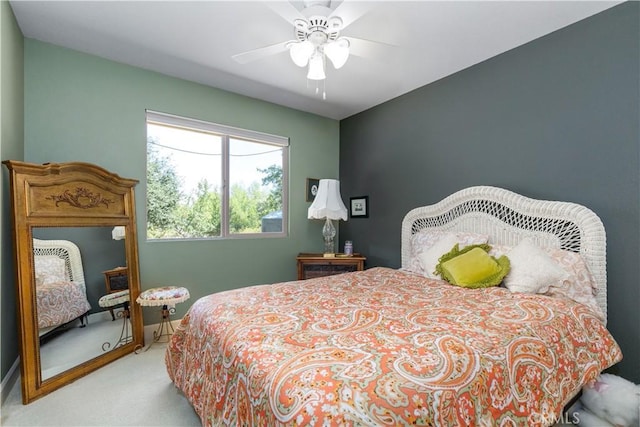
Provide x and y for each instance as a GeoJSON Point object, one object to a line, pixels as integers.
{"type": "Point", "coordinates": [132, 391]}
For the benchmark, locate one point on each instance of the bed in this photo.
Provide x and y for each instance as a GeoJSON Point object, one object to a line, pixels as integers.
{"type": "Point", "coordinates": [397, 347]}
{"type": "Point", "coordinates": [61, 295]}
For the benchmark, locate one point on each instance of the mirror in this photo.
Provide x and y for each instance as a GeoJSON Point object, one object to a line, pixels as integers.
{"type": "Point", "coordinates": [66, 337]}
{"type": "Point", "coordinates": [76, 276]}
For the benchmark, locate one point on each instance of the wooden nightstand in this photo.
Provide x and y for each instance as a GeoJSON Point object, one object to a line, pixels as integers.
{"type": "Point", "coordinates": [316, 265]}
{"type": "Point", "coordinates": [116, 280]}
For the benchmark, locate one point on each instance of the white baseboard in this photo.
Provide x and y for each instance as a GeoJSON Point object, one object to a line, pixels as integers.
{"type": "Point", "coordinates": [9, 380]}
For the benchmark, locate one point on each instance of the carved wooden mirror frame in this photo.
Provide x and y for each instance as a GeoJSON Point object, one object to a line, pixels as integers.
{"type": "Point", "coordinates": [67, 195]}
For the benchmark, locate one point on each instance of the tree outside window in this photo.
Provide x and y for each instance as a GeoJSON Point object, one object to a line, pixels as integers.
{"type": "Point", "coordinates": [210, 181]}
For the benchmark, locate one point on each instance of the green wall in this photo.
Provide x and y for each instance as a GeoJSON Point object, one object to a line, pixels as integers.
{"type": "Point", "coordinates": [555, 119]}
{"type": "Point", "coordinates": [11, 147]}
{"type": "Point", "coordinates": [80, 107]}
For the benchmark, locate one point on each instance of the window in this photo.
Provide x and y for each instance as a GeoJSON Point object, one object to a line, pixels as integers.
{"type": "Point", "coordinates": [212, 181]}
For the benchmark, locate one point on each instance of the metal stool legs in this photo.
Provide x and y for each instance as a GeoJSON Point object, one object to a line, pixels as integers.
{"type": "Point", "coordinates": [165, 328]}
{"type": "Point", "coordinates": [125, 333]}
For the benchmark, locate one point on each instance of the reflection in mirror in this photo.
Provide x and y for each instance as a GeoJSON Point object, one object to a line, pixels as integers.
{"type": "Point", "coordinates": [76, 312]}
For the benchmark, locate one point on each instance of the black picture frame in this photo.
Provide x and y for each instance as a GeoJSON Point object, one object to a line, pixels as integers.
{"type": "Point", "coordinates": [312, 188]}
{"type": "Point", "coordinates": [359, 207]}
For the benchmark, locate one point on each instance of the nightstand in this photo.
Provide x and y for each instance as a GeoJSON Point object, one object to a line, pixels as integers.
{"type": "Point", "coordinates": [316, 265]}
{"type": "Point", "coordinates": [116, 280]}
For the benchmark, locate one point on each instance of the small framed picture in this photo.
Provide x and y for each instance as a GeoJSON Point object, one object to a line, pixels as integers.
{"type": "Point", "coordinates": [312, 188]}
{"type": "Point", "coordinates": [359, 207]}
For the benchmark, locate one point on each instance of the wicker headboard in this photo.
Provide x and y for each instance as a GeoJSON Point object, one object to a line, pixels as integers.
{"type": "Point", "coordinates": [508, 218]}
{"type": "Point", "coordinates": [66, 250]}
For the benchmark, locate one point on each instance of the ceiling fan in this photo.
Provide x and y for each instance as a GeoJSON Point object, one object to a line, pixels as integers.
{"type": "Point", "coordinates": [317, 31]}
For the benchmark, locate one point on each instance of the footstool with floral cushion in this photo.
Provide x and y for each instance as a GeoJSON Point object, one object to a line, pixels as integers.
{"type": "Point", "coordinates": [166, 297]}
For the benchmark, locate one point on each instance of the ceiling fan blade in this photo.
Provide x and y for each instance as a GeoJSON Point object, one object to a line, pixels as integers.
{"type": "Point", "coordinates": [369, 48]}
{"type": "Point", "coordinates": [262, 52]}
{"type": "Point", "coordinates": [285, 9]}
{"type": "Point", "coordinates": [350, 11]}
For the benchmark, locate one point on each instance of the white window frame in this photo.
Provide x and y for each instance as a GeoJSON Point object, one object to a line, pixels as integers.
{"type": "Point", "coordinates": [227, 133]}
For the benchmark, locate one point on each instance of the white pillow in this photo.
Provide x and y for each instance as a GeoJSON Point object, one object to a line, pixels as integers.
{"type": "Point", "coordinates": [425, 239]}
{"type": "Point", "coordinates": [430, 257]}
{"type": "Point", "coordinates": [532, 269]}
{"type": "Point", "coordinates": [49, 269]}
{"type": "Point", "coordinates": [579, 285]}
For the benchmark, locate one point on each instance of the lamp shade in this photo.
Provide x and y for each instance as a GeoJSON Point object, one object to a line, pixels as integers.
{"type": "Point", "coordinates": [337, 52]}
{"type": "Point", "coordinates": [316, 67]}
{"type": "Point", "coordinates": [301, 52]}
{"type": "Point", "coordinates": [328, 202]}
{"type": "Point", "coordinates": [118, 232]}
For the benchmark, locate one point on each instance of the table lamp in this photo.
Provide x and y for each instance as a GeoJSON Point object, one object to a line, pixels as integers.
{"type": "Point", "coordinates": [328, 205]}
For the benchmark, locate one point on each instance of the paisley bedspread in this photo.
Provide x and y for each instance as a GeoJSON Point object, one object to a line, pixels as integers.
{"type": "Point", "coordinates": [60, 302]}
{"type": "Point", "coordinates": [383, 347]}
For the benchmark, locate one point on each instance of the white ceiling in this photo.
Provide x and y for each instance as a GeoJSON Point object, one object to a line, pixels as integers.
{"type": "Point", "coordinates": [422, 41]}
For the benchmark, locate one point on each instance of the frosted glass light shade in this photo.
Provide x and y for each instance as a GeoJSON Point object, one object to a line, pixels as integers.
{"type": "Point", "coordinates": [328, 202]}
{"type": "Point", "coordinates": [316, 68]}
{"type": "Point", "coordinates": [301, 52]}
{"type": "Point", "coordinates": [337, 52]}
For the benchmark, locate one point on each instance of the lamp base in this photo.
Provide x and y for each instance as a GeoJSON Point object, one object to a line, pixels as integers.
{"type": "Point", "coordinates": [328, 232]}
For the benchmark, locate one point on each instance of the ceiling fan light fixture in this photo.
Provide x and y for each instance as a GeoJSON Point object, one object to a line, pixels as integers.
{"type": "Point", "coordinates": [301, 52]}
{"type": "Point", "coordinates": [316, 68]}
{"type": "Point", "coordinates": [337, 52]}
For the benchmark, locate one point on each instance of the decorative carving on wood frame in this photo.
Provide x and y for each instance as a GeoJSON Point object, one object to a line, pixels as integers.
{"type": "Point", "coordinates": [76, 200]}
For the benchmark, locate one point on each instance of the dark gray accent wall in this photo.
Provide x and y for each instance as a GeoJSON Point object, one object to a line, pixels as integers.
{"type": "Point", "coordinates": [555, 119]}
{"type": "Point", "coordinates": [11, 147]}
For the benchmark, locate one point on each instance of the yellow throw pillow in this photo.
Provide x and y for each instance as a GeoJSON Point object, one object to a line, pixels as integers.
{"type": "Point", "coordinates": [472, 267]}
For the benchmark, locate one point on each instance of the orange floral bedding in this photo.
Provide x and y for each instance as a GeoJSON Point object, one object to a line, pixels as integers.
{"type": "Point", "coordinates": [384, 347]}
